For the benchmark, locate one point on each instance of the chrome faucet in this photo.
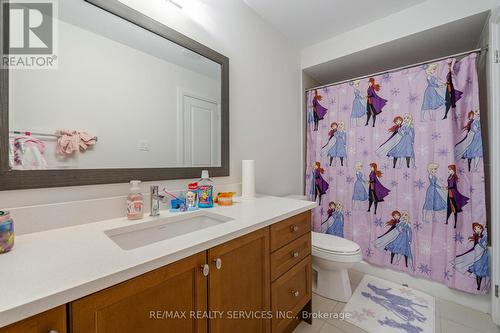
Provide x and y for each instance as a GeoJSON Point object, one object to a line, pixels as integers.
{"type": "Point", "coordinates": [155, 200]}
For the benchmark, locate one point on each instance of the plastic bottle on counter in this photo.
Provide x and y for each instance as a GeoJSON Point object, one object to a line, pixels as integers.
{"type": "Point", "coordinates": [135, 201]}
{"type": "Point", "coordinates": [192, 196]}
{"type": "Point", "coordinates": [205, 191]}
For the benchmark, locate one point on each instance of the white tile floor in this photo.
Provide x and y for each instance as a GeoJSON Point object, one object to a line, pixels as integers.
{"type": "Point", "coordinates": [450, 318]}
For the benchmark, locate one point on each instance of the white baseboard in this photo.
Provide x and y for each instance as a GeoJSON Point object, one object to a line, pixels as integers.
{"type": "Point", "coordinates": [480, 303]}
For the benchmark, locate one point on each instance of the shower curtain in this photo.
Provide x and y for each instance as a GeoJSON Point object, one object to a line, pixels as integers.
{"type": "Point", "coordinates": [395, 163]}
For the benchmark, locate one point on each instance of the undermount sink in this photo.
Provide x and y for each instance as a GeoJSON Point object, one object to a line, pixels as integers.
{"type": "Point", "coordinates": [138, 235]}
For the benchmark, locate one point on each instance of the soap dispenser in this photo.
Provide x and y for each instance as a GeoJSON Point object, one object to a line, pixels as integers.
{"type": "Point", "coordinates": [135, 202]}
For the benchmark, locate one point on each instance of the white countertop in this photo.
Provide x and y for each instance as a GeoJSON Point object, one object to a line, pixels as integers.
{"type": "Point", "coordinates": [50, 268]}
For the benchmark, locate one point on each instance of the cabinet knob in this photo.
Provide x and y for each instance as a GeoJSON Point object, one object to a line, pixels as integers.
{"type": "Point", "coordinates": [205, 269]}
{"type": "Point", "coordinates": [218, 263]}
{"type": "Point", "coordinates": [294, 228]}
{"type": "Point", "coordinates": [295, 293]}
{"type": "Point", "coordinates": [295, 254]}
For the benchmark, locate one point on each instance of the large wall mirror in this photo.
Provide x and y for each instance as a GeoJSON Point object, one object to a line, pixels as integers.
{"type": "Point", "coordinates": [130, 98]}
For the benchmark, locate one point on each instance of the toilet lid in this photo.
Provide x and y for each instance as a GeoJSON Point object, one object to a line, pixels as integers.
{"type": "Point", "coordinates": [334, 244]}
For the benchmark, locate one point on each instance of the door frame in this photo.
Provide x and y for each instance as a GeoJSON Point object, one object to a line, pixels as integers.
{"type": "Point", "coordinates": [181, 93]}
{"type": "Point", "coordinates": [493, 79]}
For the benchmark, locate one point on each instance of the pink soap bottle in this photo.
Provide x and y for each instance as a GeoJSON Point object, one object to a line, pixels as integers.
{"type": "Point", "coordinates": [135, 202]}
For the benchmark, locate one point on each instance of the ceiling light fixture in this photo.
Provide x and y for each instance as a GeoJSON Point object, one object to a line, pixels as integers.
{"type": "Point", "coordinates": [176, 4]}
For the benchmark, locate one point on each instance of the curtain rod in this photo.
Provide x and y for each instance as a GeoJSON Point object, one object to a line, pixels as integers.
{"type": "Point", "coordinates": [479, 50]}
{"type": "Point", "coordinates": [29, 133]}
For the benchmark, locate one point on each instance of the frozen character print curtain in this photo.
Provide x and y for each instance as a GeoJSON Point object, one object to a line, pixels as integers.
{"type": "Point", "coordinates": [395, 163]}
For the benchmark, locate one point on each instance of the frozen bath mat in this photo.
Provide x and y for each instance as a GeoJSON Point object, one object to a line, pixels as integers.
{"type": "Point", "coordinates": [379, 306]}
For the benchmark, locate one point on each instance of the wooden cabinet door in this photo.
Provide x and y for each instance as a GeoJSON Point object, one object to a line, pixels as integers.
{"type": "Point", "coordinates": [50, 321]}
{"type": "Point", "coordinates": [156, 302]}
{"type": "Point", "coordinates": [241, 286]}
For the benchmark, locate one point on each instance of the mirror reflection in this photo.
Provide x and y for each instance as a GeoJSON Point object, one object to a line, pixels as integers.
{"type": "Point", "coordinates": [121, 97]}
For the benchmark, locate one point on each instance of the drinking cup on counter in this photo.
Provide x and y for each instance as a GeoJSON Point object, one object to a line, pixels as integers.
{"type": "Point", "coordinates": [6, 232]}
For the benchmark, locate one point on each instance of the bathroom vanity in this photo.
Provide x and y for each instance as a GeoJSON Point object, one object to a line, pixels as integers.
{"type": "Point", "coordinates": [249, 273]}
{"type": "Point", "coordinates": [243, 268]}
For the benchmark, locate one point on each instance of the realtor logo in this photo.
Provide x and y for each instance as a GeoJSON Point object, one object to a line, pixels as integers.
{"type": "Point", "coordinates": [29, 34]}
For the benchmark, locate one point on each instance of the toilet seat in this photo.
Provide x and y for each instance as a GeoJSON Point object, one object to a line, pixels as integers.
{"type": "Point", "coordinates": [335, 248]}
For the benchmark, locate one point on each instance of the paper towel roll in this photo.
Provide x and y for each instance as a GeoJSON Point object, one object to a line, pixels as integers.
{"type": "Point", "coordinates": [248, 179]}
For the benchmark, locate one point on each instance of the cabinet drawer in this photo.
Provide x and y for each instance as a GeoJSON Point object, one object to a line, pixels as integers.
{"type": "Point", "coordinates": [52, 320]}
{"type": "Point", "coordinates": [286, 257]}
{"type": "Point", "coordinates": [290, 293]}
{"type": "Point", "coordinates": [287, 230]}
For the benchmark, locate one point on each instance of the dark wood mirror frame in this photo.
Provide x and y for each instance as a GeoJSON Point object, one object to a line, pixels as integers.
{"type": "Point", "coordinates": [13, 179]}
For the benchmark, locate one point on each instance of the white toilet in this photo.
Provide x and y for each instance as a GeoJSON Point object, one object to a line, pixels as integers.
{"type": "Point", "coordinates": [332, 256]}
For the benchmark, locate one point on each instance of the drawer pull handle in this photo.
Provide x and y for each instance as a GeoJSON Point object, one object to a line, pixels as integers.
{"type": "Point", "coordinates": [295, 254]}
{"type": "Point", "coordinates": [53, 331]}
{"type": "Point", "coordinates": [218, 263]}
{"type": "Point", "coordinates": [205, 269]}
{"type": "Point", "coordinates": [294, 228]}
{"type": "Point", "coordinates": [295, 293]}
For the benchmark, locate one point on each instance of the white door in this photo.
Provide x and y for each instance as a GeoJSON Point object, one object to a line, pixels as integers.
{"type": "Point", "coordinates": [201, 138]}
{"type": "Point", "coordinates": [494, 152]}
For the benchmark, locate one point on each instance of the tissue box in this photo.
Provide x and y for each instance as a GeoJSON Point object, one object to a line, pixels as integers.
{"type": "Point", "coordinates": [6, 232]}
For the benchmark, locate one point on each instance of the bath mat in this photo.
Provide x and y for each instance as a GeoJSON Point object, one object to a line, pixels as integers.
{"type": "Point", "coordinates": [379, 306]}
